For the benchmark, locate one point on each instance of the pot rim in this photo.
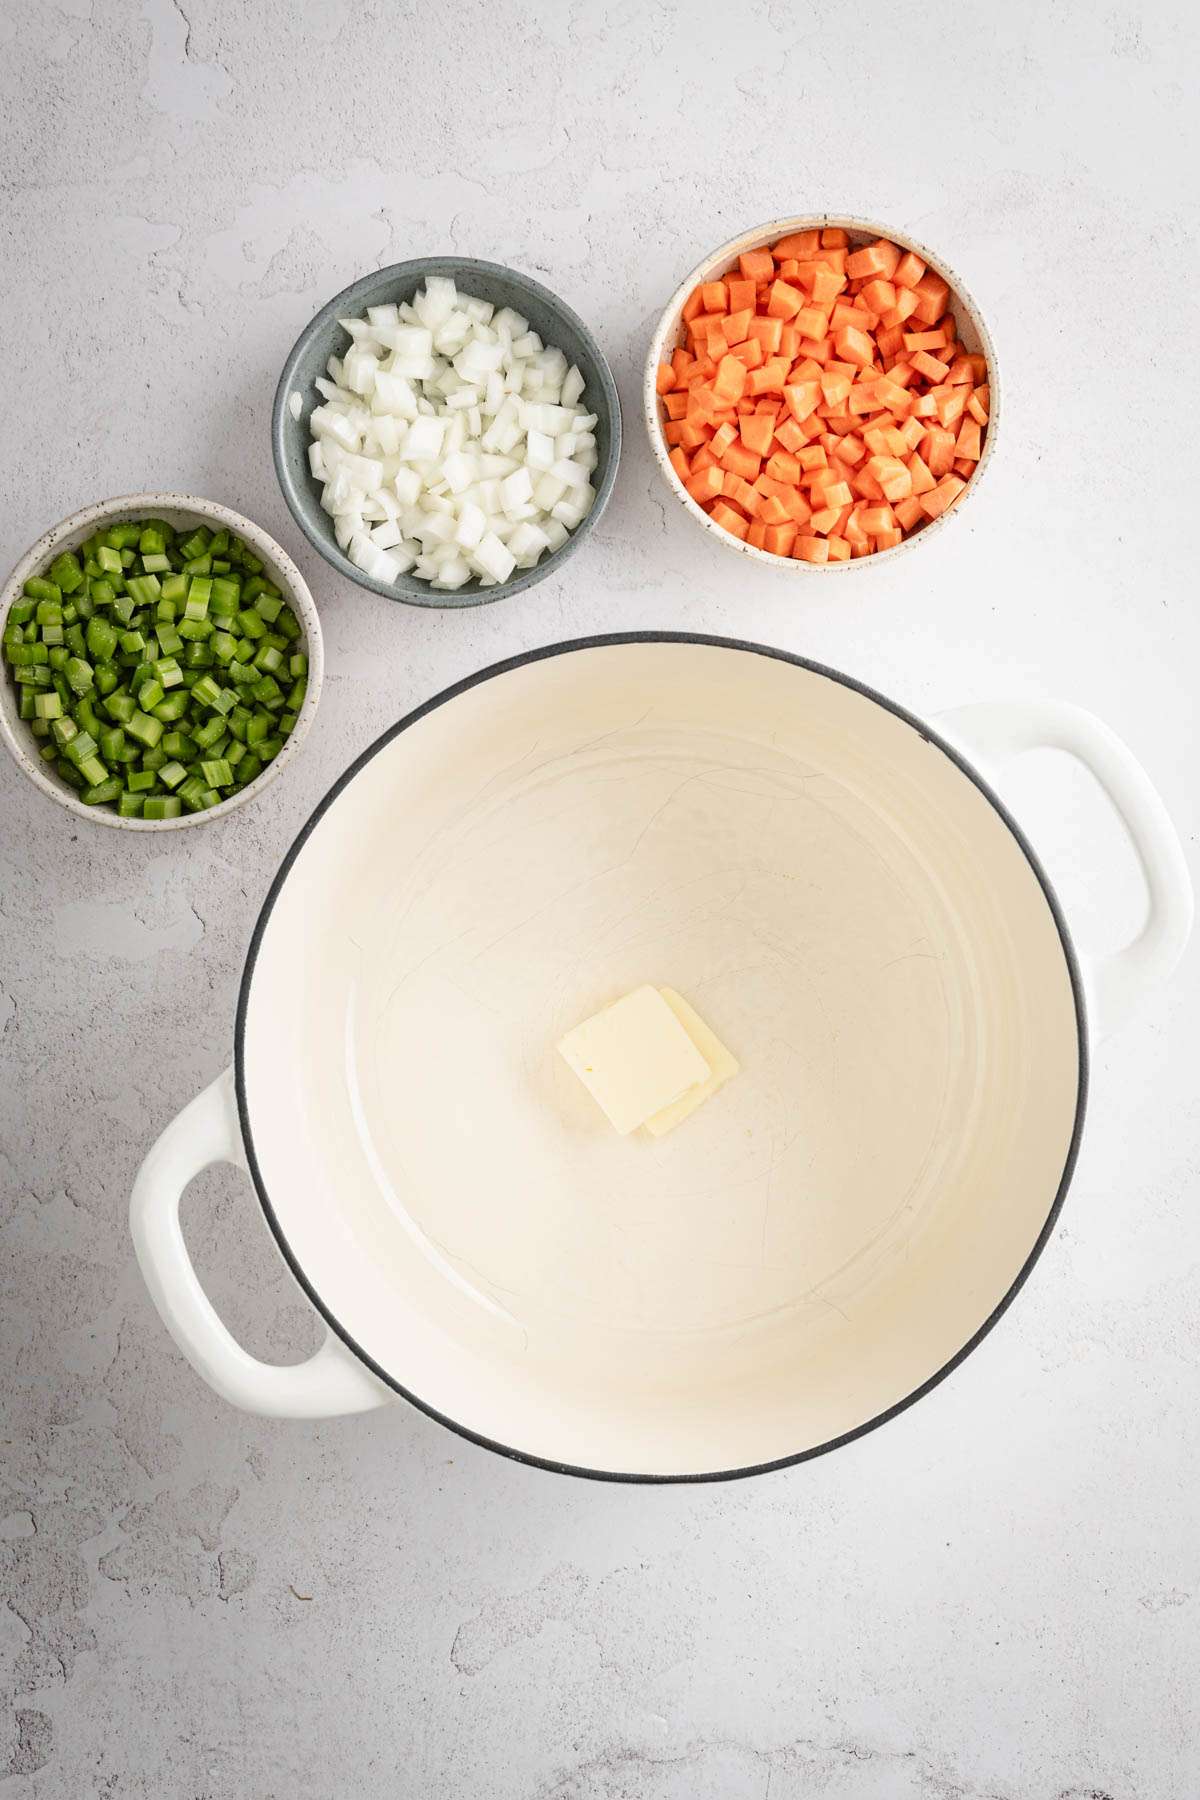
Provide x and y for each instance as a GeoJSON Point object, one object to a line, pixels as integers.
{"type": "Point", "coordinates": [746, 646]}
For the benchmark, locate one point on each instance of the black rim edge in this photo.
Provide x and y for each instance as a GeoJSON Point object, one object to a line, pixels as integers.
{"type": "Point", "coordinates": [721, 643]}
{"type": "Point", "coordinates": [332, 552]}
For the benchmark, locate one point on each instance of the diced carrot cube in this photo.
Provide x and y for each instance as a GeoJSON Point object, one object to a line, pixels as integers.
{"type": "Point", "coordinates": [908, 512]}
{"type": "Point", "coordinates": [894, 480]}
{"type": "Point", "coordinates": [798, 244]}
{"type": "Point", "coordinates": [929, 366]}
{"type": "Point", "coordinates": [767, 332]}
{"type": "Point", "coordinates": [833, 238]}
{"type": "Point", "coordinates": [887, 540]}
{"type": "Point", "coordinates": [812, 322]}
{"type": "Point", "coordinates": [935, 503]}
{"type": "Point", "coordinates": [878, 295]}
{"type": "Point", "coordinates": [937, 448]}
{"type": "Point", "coordinates": [978, 404]}
{"type": "Point", "coordinates": [961, 373]}
{"type": "Point", "coordinates": [780, 538]}
{"type": "Point", "coordinates": [673, 434]}
{"type": "Point", "coordinates": [908, 436]}
{"type": "Point", "coordinates": [879, 258]}
{"type": "Point", "coordinates": [968, 445]}
{"type": "Point", "coordinates": [715, 296]}
{"type": "Point", "coordinates": [730, 383]}
{"type": "Point", "coordinates": [757, 430]}
{"type": "Point", "coordinates": [706, 485]}
{"type": "Point", "coordinates": [835, 387]}
{"type": "Point", "coordinates": [678, 460]}
{"type": "Point", "coordinates": [722, 438]}
{"type": "Point", "coordinates": [803, 398]}
{"type": "Point", "coordinates": [731, 520]}
{"type": "Point", "coordinates": [909, 270]}
{"type": "Point", "coordinates": [962, 465]}
{"type": "Point", "coordinates": [749, 354]}
{"type": "Point", "coordinates": [703, 459]}
{"type": "Point", "coordinates": [922, 477]}
{"type": "Point", "coordinates": [925, 340]}
{"type": "Point", "coordinates": [826, 285]}
{"type": "Point", "coordinates": [812, 458]}
{"type": "Point", "coordinates": [783, 466]}
{"type": "Point", "coordinates": [818, 350]}
{"type": "Point", "coordinates": [737, 326]}
{"type": "Point", "coordinates": [756, 534]}
{"type": "Point", "coordinates": [757, 265]}
{"type": "Point", "coordinates": [888, 393]}
{"type": "Point", "coordinates": [741, 461]}
{"type": "Point", "coordinates": [785, 301]}
{"type": "Point", "coordinates": [905, 307]}
{"type": "Point", "coordinates": [837, 494]}
{"type": "Point", "coordinates": [874, 519]}
{"type": "Point", "coordinates": [825, 520]}
{"type": "Point", "coordinates": [790, 435]}
{"type": "Point", "coordinates": [811, 549]}
{"type": "Point", "coordinates": [932, 294]}
{"type": "Point", "coordinates": [771, 510]}
{"type": "Point", "coordinates": [664, 378]}
{"type": "Point", "coordinates": [839, 549]}
{"type": "Point", "coordinates": [675, 405]}
{"type": "Point", "coordinates": [770, 378]}
{"type": "Point", "coordinates": [741, 293]}
{"type": "Point", "coordinates": [739, 490]}
{"type": "Point", "coordinates": [951, 405]}
{"type": "Point", "coordinates": [854, 346]}
{"type": "Point", "coordinates": [693, 305]}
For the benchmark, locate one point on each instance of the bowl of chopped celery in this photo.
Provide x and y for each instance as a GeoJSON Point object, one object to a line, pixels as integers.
{"type": "Point", "coordinates": [162, 661]}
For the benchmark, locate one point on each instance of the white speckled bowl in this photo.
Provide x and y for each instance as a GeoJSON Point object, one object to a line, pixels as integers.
{"type": "Point", "coordinates": [176, 509]}
{"type": "Point", "coordinates": [972, 332]}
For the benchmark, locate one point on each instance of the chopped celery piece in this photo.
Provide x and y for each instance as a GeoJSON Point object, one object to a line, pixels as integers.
{"type": "Point", "coordinates": [145, 729]}
{"type": "Point", "coordinates": [102, 792]}
{"type": "Point", "coordinates": [162, 806]}
{"type": "Point", "coordinates": [66, 573]}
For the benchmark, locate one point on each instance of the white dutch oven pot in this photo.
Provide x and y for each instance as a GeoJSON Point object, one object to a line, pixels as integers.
{"type": "Point", "coordinates": [847, 903]}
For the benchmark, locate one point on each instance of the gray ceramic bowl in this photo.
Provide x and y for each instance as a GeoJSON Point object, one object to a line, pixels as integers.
{"type": "Point", "coordinates": [323, 337]}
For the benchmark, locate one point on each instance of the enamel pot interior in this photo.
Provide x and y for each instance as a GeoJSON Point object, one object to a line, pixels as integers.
{"type": "Point", "coordinates": [844, 903]}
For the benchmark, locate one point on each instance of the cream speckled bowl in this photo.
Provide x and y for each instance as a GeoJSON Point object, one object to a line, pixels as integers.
{"type": "Point", "coordinates": [176, 509]}
{"type": "Point", "coordinates": [972, 332]}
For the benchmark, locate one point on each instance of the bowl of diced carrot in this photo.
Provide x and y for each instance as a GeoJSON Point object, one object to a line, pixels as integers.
{"type": "Point", "coordinates": [821, 391]}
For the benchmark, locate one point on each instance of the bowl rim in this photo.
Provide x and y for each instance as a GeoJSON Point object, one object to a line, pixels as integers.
{"type": "Point", "coordinates": [70, 531]}
{"type": "Point", "coordinates": [742, 646]}
{"type": "Point", "coordinates": [413, 270]}
{"type": "Point", "coordinates": [704, 270]}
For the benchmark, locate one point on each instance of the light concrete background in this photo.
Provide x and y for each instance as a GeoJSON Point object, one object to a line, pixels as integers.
{"type": "Point", "coordinates": [997, 1596]}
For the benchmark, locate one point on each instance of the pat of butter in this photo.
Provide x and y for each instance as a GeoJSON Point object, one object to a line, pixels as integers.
{"type": "Point", "coordinates": [721, 1062]}
{"type": "Point", "coordinates": [635, 1058]}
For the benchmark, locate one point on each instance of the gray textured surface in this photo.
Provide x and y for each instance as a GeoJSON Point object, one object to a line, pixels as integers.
{"type": "Point", "coordinates": [997, 1596]}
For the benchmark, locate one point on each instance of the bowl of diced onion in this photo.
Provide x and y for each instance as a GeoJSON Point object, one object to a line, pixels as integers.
{"type": "Point", "coordinates": [446, 431]}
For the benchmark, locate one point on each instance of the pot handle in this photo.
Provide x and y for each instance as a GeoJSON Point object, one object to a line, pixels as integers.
{"type": "Point", "coordinates": [992, 733]}
{"type": "Point", "coordinates": [330, 1382]}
